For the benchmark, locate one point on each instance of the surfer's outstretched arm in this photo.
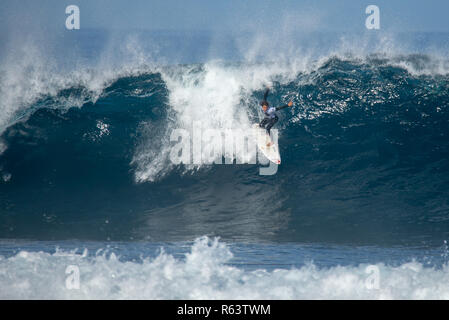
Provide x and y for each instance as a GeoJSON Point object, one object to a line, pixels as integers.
{"type": "Point", "coordinates": [281, 107]}
{"type": "Point", "coordinates": [285, 106]}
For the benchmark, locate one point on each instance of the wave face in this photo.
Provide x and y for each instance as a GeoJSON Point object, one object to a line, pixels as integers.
{"type": "Point", "coordinates": [365, 154]}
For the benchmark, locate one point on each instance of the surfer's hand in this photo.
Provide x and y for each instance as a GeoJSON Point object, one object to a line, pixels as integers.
{"type": "Point", "coordinates": [290, 103]}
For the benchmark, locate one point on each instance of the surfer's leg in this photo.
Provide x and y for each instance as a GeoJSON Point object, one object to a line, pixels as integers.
{"type": "Point", "coordinates": [264, 122]}
{"type": "Point", "coordinates": [271, 123]}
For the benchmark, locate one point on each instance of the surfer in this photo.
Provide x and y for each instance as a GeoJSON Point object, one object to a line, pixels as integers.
{"type": "Point", "coordinates": [270, 114]}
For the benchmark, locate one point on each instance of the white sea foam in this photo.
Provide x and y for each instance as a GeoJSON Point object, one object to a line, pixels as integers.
{"type": "Point", "coordinates": [215, 95]}
{"type": "Point", "coordinates": [27, 74]}
{"type": "Point", "coordinates": [205, 274]}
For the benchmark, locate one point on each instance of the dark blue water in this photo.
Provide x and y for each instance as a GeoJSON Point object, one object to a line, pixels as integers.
{"type": "Point", "coordinates": [366, 163]}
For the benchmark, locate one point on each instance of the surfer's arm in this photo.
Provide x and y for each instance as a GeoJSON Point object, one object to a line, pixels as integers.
{"type": "Point", "coordinates": [281, 107]}
{"type": "Point", "coordinates": [285, 106]}
{"type": "Point", "coordinates": [266, 94]}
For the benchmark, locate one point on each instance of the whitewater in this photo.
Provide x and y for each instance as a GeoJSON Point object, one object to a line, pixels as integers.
{"type": "Point", "coordinates": [205, 272]}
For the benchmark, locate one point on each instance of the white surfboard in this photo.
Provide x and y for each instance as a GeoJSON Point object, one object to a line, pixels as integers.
{"type": "Point", "coordinates": [262, 139]}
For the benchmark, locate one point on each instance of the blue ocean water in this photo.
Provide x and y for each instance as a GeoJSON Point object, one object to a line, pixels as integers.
{"type": "Point", "coordinates": [86, 178]}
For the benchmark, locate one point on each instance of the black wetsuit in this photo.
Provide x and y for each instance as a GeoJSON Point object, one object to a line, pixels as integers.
{"type": "Point", "coordinates": [270, 115]}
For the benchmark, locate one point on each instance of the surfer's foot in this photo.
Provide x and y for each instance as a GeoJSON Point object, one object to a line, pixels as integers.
{"type": "Point", "coordinates": [269, 144]}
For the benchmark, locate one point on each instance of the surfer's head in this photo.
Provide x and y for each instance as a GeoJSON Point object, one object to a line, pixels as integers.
{"type": "Point", "coordinates": [264, 105]}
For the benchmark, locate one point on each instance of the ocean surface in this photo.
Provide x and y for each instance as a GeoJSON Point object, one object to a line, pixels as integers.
{"type": "Point", "coordinates": [358, 209]}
